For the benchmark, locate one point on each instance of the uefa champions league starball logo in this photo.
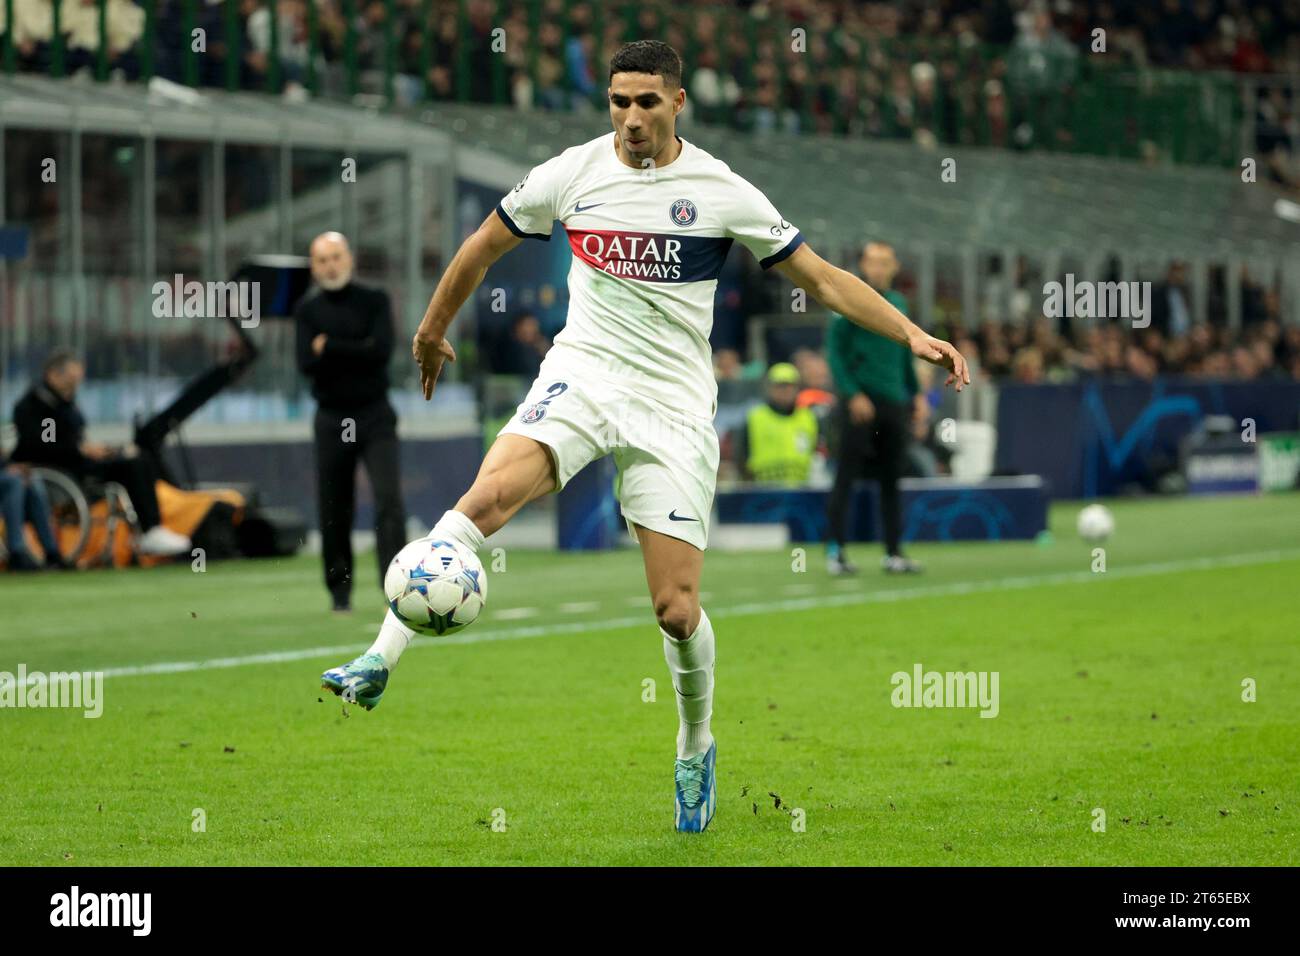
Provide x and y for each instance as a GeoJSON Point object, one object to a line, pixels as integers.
{"type": "Point", "coordinates": [683, 212]}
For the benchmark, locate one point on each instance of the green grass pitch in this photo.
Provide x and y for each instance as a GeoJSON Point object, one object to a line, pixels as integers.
{"type": "Point", "coordinates": [1119, 691]}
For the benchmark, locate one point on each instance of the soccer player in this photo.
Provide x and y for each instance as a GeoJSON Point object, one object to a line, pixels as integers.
{"type": "Point", "coordinates": [649, 218]}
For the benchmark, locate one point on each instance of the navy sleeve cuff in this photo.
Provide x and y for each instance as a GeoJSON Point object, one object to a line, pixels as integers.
{"type": "Point", "coordinates": [785, 253]}
{"type": "Point", "coordinates": [516, 230]}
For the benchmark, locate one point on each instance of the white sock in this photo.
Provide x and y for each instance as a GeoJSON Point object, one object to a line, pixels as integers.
{"type": "Point", "coordinates": [691, 664]}
{"type": "Point", "coordinates": [394, 638]}
{"type": "Point", "coordinates": [457, 527]}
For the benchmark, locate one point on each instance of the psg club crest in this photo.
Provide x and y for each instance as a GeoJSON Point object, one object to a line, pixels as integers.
{"type": "Point", "coordinates": [683, 212]}
{"type": "Point", "coordinates": [537, 411]}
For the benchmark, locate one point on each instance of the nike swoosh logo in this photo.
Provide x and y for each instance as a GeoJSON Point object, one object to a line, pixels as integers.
{"type": "Point", "coordinates": [579, 207]}
{"type": "Point", "coordinates": [674, 516]}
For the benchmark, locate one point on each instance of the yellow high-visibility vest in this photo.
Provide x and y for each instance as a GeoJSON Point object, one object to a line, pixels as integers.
{"type": "Point", "coordinates": [781, 447]}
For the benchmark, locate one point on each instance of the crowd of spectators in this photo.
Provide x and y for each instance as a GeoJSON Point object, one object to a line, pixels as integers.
{"type": "Point", "coordinates": [1010, 338]}
{"type": "Point", "coordinates": [944, 70]}
{"type": "Point", "coordinates": [990, 72]}
{"type": "Point", "coordinates": [1166, 340]}
{"type": "Point", "coordinates": [1038, 350]}
{"type": "Point", "coordinates": [1034, 352]}
{"type": "Point", "coordinates": [1244, 36]}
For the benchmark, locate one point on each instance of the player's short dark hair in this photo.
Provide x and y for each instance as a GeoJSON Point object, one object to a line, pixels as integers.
{"type": "Point", "coordinates": [57, 360]}
{"type": "Point", "coordinates": [648, 56]}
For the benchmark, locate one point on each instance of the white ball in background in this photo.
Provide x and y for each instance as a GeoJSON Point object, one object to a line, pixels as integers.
{"type": "Point", "coordinates": [1095, 523]}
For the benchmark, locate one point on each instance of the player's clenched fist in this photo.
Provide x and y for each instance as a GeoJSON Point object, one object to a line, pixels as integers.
{"type": "Point", "coordinates": [941, 353]}
{"type": "Point", "coordinates": [429, 354]}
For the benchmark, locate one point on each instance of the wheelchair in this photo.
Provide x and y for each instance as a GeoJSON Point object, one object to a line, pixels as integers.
{"type": "Point", "coordinates": [85, 516]}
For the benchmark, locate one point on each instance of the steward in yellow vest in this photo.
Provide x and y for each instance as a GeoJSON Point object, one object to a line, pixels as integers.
{"type": "Point", "coordinates": [780, 439]}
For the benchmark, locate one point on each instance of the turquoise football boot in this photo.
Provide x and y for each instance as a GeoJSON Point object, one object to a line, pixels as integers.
{"type": "Point", "coordinates": [697, 791]}
{"type": "Point", "coordinates": [362, 681]}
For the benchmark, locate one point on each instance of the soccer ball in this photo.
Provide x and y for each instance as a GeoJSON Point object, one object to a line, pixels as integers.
{"type": "Point", "coordinates": [435, 587]}
{"type": "Point", "coordinates": [1095, 523]}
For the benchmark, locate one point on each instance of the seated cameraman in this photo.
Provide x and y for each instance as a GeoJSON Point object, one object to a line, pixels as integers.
{"type": "Point", "coordinates": [51, 432]}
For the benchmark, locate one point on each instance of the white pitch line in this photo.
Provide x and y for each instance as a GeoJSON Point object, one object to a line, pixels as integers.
{"type": "Point", "coordinates": [517, 613]}
{"type": "Point", "coordinates": [757, 607]}
{"type": "Point", "coordinates": [578, 607]}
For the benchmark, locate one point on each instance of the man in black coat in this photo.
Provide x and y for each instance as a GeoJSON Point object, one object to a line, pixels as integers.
{"type": "Point", "coordinates": [52, 431]}
{"type": "Point", "coordinates": [344, 342]}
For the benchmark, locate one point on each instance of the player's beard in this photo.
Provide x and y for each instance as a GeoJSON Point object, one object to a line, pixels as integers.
{"type": "Point", "coordinates": [641, 153]}
{"type": "Point", "coordinates": [338, 282]}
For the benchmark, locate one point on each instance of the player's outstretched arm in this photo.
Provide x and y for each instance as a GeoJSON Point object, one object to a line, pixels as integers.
{"type": "Point", "coordinates": [489, 243]}
{"type": "Point", "coordinates": [852, 298]}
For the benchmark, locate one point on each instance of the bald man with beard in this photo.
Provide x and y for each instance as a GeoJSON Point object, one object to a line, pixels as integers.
{"type": "Point", "coordinates": [344, 342]}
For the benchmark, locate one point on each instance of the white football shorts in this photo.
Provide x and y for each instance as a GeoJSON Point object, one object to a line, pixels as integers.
{"type": "Point", "coordinates": [667, 459]}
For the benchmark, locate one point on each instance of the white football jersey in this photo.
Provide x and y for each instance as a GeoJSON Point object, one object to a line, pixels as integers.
{"type": "Point", "coordinates": [647, 249]}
